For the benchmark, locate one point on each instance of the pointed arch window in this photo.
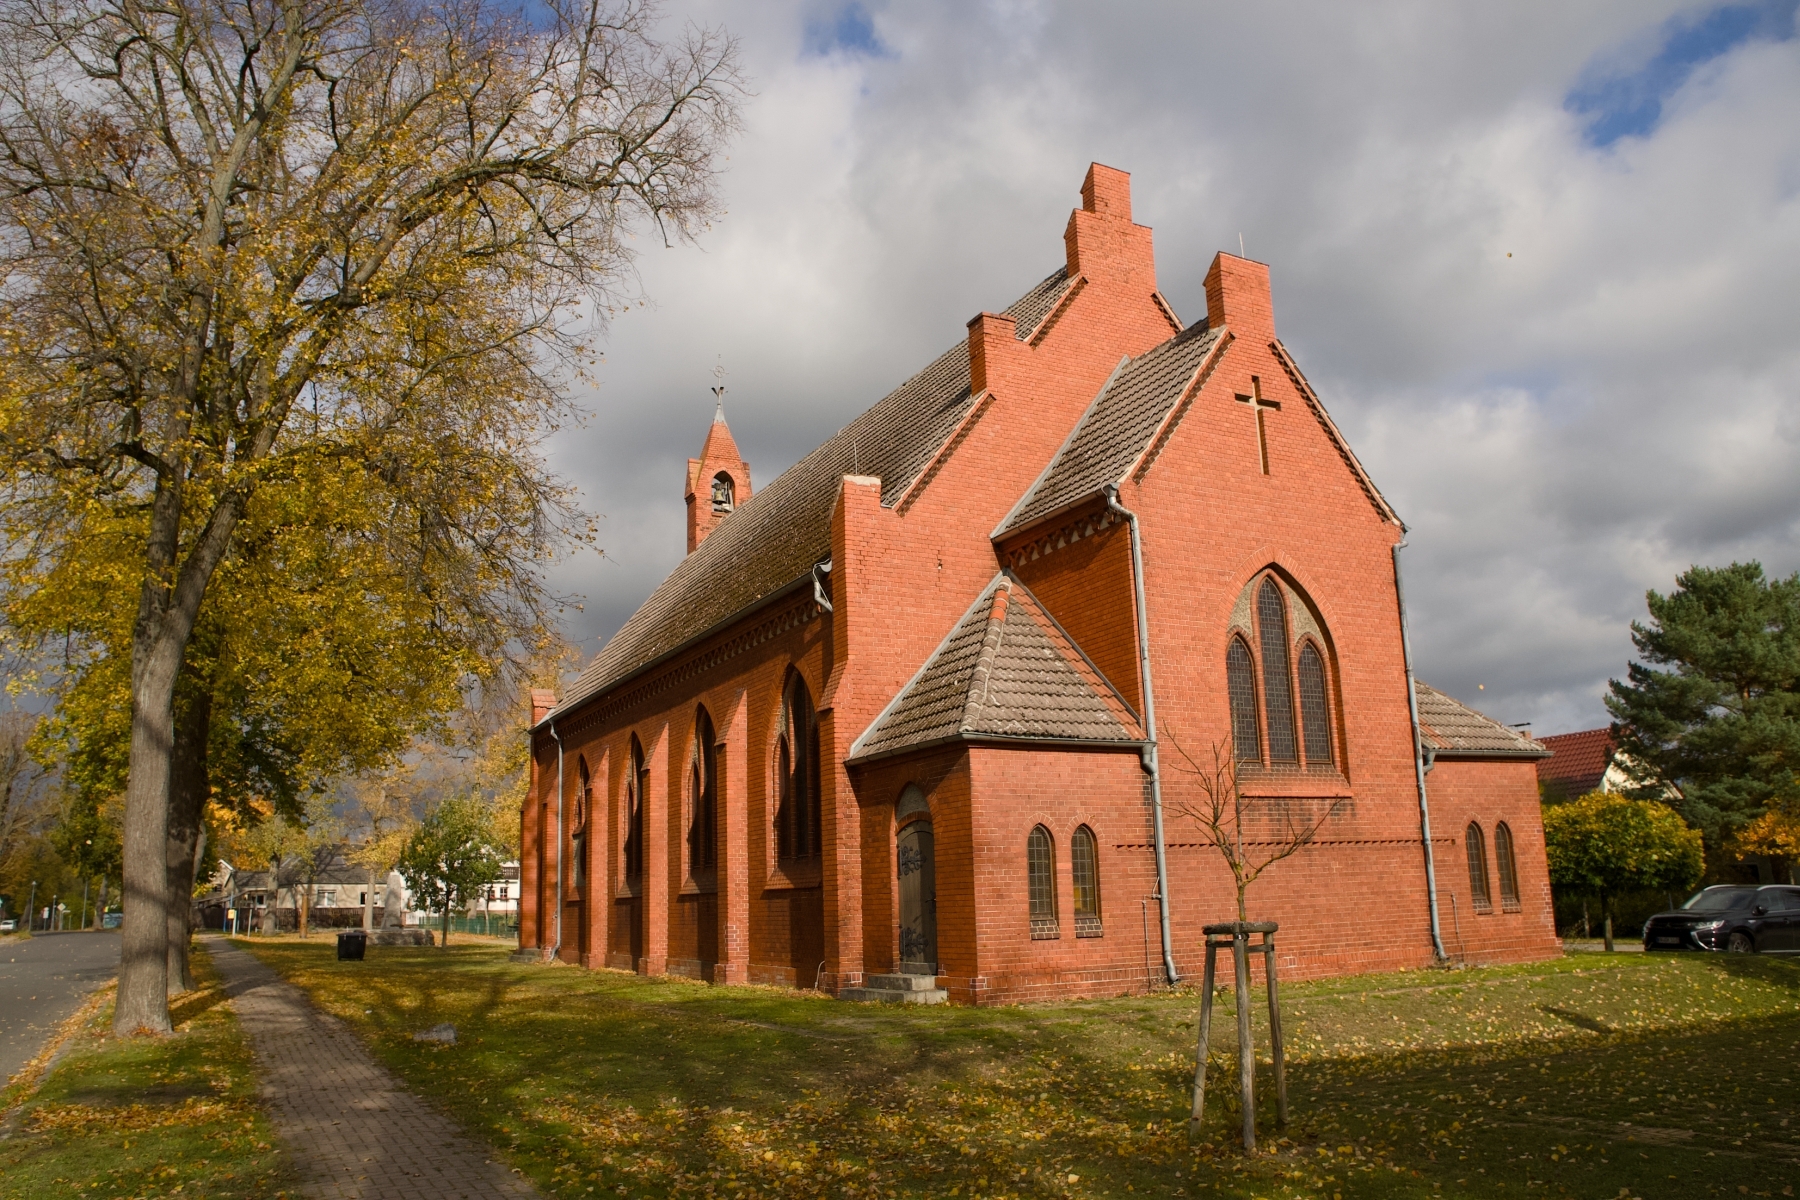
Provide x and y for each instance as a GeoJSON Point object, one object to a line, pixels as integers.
{"type": "Point", "coordinates": [797, 823]}
{"type": "Point", "coordinates": [1508, 867]}
{"type": "Point", "coordinates": [636, 784]}
{"type": "Point", "coordinates": [584, 795]}
{"type": "Point", "coordinates": [1278, 689]}
{"type": "Point", "coordinates": [1478, 872]}
{"type": "Point", "coordinates": [1084, 865]}
{"type": "Point", "coordinates": [1240, 681]}
{"type": "Point", "coordinates": [1040, 874]}
{"type": "Point", "coordinates": [1315, 707]}
{"type": "Point", "coordinates": [703, 799]}
{"type": "Point", "coordinates": [724, 494]}
{"type": "Point", "coordinates": [1278, 681]}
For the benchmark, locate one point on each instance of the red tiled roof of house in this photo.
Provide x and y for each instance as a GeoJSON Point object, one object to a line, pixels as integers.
{"type": "Point", "coordinates": [1578, 761]}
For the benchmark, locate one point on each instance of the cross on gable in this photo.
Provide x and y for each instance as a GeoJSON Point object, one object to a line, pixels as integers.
{"type": "Point", "coordinates": [1260, 407]}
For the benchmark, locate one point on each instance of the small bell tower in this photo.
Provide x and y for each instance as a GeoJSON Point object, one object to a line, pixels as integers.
{"type": "Point", "coordinates": [717, 482]}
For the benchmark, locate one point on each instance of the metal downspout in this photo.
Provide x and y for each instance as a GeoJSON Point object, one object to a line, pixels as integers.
{"type": "Point", "coordinates": [1419, 765]}
{"type": "Point", "coordinates": [556, 950]}
{"type": "Point", "coordinates": [1152, 762]}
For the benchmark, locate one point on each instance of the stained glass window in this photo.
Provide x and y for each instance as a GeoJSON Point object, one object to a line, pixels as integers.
{"type": "Point", "coordinates": [1509, 867]}
{"type": "Point", "coordinates": [1240, 682]}
{"type": "Point", "coordinates": [1040, 867]}
{"type": "Point", "coordinates": [1084, 864]}
{"type": "Point", "coordinates": [1315, 709]}
{"type": "Point", "coordinates": [1278, 690]}
{"type": "Point", "coordinates": [1478, 872]}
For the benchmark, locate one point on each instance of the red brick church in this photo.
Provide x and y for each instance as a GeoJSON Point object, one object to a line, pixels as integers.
{"type": "Point", "coordinates": [927, 705]}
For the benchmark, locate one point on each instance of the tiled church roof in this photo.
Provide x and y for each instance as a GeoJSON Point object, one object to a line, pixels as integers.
{"type": "Point", "coordinates": [1117, 426]}
{"type": "Point", "coordinates": [774, 538]}
{"type": "Point", "coordinates": [1454, 730]}
{"type": "Point", "coordinates": [1006, 672]}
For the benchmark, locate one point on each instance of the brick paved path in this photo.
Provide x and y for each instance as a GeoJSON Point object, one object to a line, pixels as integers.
{"type": "Point", "coordinates": [354, 1132]}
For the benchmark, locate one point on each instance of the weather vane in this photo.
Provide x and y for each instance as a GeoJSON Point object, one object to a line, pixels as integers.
{"type": "Point", "coordinates": [718, 390]}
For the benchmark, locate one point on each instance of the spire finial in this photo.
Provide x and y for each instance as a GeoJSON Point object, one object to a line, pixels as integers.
{"type": "Point", "coordinates": [718, 392]}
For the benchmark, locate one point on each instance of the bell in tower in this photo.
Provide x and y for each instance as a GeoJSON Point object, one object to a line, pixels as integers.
{"type": "Point", "coordinates": [717, 482]}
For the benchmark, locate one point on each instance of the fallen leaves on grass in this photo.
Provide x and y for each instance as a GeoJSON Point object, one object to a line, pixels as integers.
{"type": "Point", "coordinates": [127, 1118]}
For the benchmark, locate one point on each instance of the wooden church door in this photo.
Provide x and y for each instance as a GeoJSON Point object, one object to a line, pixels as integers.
{"type": "Point", "coordinates": [918, 900]}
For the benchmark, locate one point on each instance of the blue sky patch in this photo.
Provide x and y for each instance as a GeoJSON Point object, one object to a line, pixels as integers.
{"type": "Point", "coordinates": [850, 30]}
{"type": "Point", "coordinates": [1628, 103]}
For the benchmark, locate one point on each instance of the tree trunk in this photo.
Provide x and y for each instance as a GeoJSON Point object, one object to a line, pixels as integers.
{"type": "Point", "coordinates": [369, 904]}
{"type": "Point", "coordinates": [143, 1004]}
{"type": "Point", "coordinates": [445, 945]}
{"type": "Point", "coordinates": [1609, 937]}
{"type": "Point", "coordinates": [188, 790]}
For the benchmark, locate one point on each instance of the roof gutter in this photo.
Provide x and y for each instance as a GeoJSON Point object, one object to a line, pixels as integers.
{"type": "Point", "coordinates": [556, 950]}
{"type": "Point", "coordinates": [1151, 761]}
{"type": "Point", "coordinates": [1422, 762]}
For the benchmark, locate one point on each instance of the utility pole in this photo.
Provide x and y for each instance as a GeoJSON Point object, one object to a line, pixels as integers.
{"type": "Point", "coordinates": [31, 909]}
{"type": "Point", "coordinates": [84, 895]}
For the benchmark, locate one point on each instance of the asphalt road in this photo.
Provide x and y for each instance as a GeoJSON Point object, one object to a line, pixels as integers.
{"type": "Point", "coordinates": [42, 981]}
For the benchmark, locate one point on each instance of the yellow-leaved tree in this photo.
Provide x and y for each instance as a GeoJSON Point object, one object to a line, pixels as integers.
{"type": "Point", "coordinates": [243, 240]}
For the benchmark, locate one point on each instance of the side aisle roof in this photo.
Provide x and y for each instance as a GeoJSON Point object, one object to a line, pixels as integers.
{"type": "Point", "coordinates": [1007, 672]}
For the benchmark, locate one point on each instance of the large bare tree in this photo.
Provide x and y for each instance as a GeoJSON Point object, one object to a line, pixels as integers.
{"type": "Point", "coordinates": [244, 237]}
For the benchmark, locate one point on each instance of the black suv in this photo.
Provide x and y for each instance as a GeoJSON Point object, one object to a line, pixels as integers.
{"type": "Point", "coordinates": [1743, 920]}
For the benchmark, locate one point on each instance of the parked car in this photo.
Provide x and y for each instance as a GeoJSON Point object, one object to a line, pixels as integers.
{"type": "Point", "coordinates": [9, 926]}
{"type": "Point", "coordinates": [1740, 919]}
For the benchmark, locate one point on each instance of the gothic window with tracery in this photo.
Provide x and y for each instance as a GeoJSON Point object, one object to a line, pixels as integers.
{"type": "Point", "coordinates": [1278, 681]}
{"type": "Point", "coordinates": [1278, 688]}
{"type": "Point", "coordinates": [1315, 707]}
{"type": "Point", "coordinates": [797, 822]}
{"type": "Point", "coordinates": [1040, 874]}
{"type": "Point", "coordinates": [1508, 865]}
{"type": "Point", "coordinates": [1240, 681]}
{"type": "Point", "coordinates": [703, 798]}
{"type": "Point", "coordinates": [636, 784]}
{"type": "Point", "coordinates": [1478, 872]}
{"type": "Point", "coordinates": [1084, 865]}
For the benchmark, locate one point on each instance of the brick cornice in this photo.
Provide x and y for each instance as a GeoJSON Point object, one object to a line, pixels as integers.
{"type": "Point", "coordinates": [1086, 525]}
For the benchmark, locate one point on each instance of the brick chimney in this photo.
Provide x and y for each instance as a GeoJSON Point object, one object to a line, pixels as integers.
{"type": "Point", "coordinates": [1102, 243]}
{"type": "Point", "coordinates": [717, 482]}
{"type": "Point", "coordinates": [993, 341]}
{"type": "Point", "coordinates": [1237, 297]}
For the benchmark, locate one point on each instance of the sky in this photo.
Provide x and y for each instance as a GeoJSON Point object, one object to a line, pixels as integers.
{"type": "Point", "coordinates": [1540, 261]}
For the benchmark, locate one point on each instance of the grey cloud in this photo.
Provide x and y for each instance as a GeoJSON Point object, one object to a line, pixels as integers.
{"type": "Point", "coordinates": [1562, 429]}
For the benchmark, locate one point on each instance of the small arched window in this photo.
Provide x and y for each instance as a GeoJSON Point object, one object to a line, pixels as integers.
{"type": "Point", "coordinates": [724, 494]}
{"type": "Point", "coordinates": [1315, 707]}
{"type": "Point", "coordinates": [637, 781]}
{"type": "Point", "coordinates": [1478, 872]}
{"type": "Point", "coordinates": [584, 795]}
{"type": "Point", "coordinates": [797, 824]}
{"type": "Point", "coordinates": [1278, 691]}
{"type": "Point", "coordinates": [1508, 865]}
{"type": "Point", "coordinates": [703, 797]}
{"type": "Point", "coordinates": [1040, 871]}
{"type": "Point", "coordinates": [1084, 864]}
{"type": "Point", "coordinates": [1240, 682]}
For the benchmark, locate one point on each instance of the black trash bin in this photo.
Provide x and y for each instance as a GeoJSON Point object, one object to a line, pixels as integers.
{"type": "Point", "coordinates": [351, 945]}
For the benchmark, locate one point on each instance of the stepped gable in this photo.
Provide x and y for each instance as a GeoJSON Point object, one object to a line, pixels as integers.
{"type": "Point", "coordinates": [1452, 729]}
{"type": "Point", "coordinates": [1117, 427]}
{"type": "Point", "coordinates": [776, 536]}
{"type": "Point", "coordinates": [1007, 672]}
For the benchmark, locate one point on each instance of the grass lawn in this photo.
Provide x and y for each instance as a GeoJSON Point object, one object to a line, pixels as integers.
{"type": "Point", "coordinates": [1594, 1076]}
{"type": "Point", "coordinates": [147, 1117]}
